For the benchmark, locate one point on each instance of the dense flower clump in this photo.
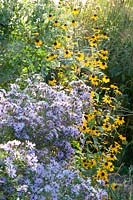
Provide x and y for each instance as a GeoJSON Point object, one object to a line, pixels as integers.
{"type": "Point", "coordinates": [28, 177]}
{"type": "Point", "coordinates": [45, 115]}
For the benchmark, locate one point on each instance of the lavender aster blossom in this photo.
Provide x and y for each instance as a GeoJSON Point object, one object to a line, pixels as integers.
{"type": "Point", "coordinates": [45, 115]}
{"type": "Point", "coordinates": [38, 179]}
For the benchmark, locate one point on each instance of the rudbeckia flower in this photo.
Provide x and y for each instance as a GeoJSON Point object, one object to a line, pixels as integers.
{"type": "Point", "coordinates": [80, 56]}
{"type": "Point", "coordinates": [74, 23]}
{"type": "Point", "coordinates": [102, 174]}
{"type": "Point", "coordinates": [68, 37]}
{"type": "Point", "coordinates": [93, 43]}
{"type": "Point", "coordinates": [50, 17]}
{"type": "Point", "coordinates": [122, 138]}
{"type": "Point", "coordinates": [95, 62]}
{"type": "Point", "coordinates": [94, 17]}
{"type": "Point", "coordinates": [111, 157]}
{"type": "Point", "coordinates": [97, 30]}
{"type": "Point", "coordinates": [75, 11]}
{"type": "Point", "coordinates": [107, 127]}
{"type": "Point", "coordinates": [85, 164]}
{"type": "Point", "coordinates": [67, 54]}
{"type": "Point", "coordinates": [104, 51]}
{"type": "Point", "coordinates": [118, 92]}
{"type": "Point", "coordinates": [108, 165]}
{"type": "Point", "coordinates": [114, 86]}
{"type": "Point", "coordinates": [115, 148]}
{"type": "Point", "coordinates": [104, 36]}
{"type": "Point", "coordinates": [57, 45]}
{"type": "Point", "coordinates": [51, 57]}
{"type": "Point", "coordinates": [103, 56]}
{"type": "Point", "coordinates": [103, 65]}
{"type": "Point", "coordinates": [65, 27]}
{"type": "Point", "coordinates": [119, 120]}
{"type": "Point", "coordinates": [52, 82]}
{"type": "Point", "coordinates": [56, 23]}
{"type": "Point", "coordinates": [94, 80]}
{"type": "Point", "coordinates": [107, 99]}
{"type": "Point", "coordinates": [114, 186]}
{"type": "Point", "coordinates": [105, 79]}
{"type": "Point", "coordinates": [86, 63]}
{"type": "Point", "coordinates": [38, 43]}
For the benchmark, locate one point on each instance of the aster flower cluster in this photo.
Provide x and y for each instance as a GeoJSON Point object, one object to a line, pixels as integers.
{"type": "Point", "coordinates": [28, 177]}
{"type": "Point", "coordinates": [48, 116]}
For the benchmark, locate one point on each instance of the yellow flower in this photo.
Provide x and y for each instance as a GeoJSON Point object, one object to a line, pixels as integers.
{"type": "Point", "coordinates": [111, 157]}
{"type": "Point", "coordinates": [38, 43]}
{"type": "Point", "coordinates": [122, 138]}
{"type": "Point", "coordinates": [108, 165]}
{"type": "Point", "coordinates": [114, 186]}
{"type": "Point", "coordinates": [95, 132]}
{"type": "Point", "coordinates": [105, 79]}
{"type": "Point", "coordinates": [119, 120]}
{"type": "Point", "coordinates": [95, 62]}
{"type": "Point", "coordinates": [103, 56]}
{"type": "Point", "coordinates": [94, 17]}
{"type": "Point", "coordinates": [74, 23]}
{"type": "Point", "coordinates": [115, 148]}
{"type": "Point", "coordinates": [93, 43]}
{"type": "Point", "coordinates": [92, 163]}
{"type": "Point", "coordinates": [75, 11]}
{"type": "Point", "coordinates": [76, 69]}
{"type": "Point", "coordinates": [60, 74]}
{"type": "Point", "coordinates": [80, 56]}
{"type": "Point", "coordinates": [56, 23]}
{"type": "Point", "coordinates": [105, 88]}
{"type": "Point", "coordinates": [50, 17]}
{"type": "Point", "coordinates": [68, 37]}
{"type": "Point", "coordinates": [106, 119]}
{"type": "Point", "coordinates": [106, 183]}
{"type": "Point", "coordinates": [97, 30]}
{"type": "Point", "coordinates": [102, 174]}
{"type": "Point", "coordinates": [104, 51]}
{"type": "Point", "coordinates": [84, 123]}
{"type": "Point", "coordinates": [103, 65]}
{"type": "Point", "coordinates": [85, 164]}
{"type": "Point", "coordinates": [107, 99]}
{"type": "Point", "coordinates": [104, 36]}
{"type": "Point", "coordinates": [52, 82]}
{"type": "Point", "coordinates": [86, 63]}
{"type": "Point", "coordinates": [118, 92]}
{"type": "Point", "coordinates": [90, 116]}
{"type": "Point", "coordinates": [57, 45]}
{"type": "Point", "coordinates": [113, 86]}
{"type": "Point", "coordinates": [65, 27]}
{"type": "Point", "coordinates": [93, 37]}
{"type": "Point", "coordinates": [67, 54]}
{"type": "Point", "coordinates": [51, 57]}
{"type": "Point", "coordinates": [36, 33]}
{"type": "Point", "coordinates": [92, 94]}
{"type": "Point", "coordinates": [94, 80]}
{"type": "Point", "coordinates": [107, 127]}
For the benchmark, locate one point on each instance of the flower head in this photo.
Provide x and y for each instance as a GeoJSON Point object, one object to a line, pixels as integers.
{"type": "Point", "coordinates": [38, 43]}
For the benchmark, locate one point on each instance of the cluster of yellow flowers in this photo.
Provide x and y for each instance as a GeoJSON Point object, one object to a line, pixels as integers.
{"type": "Point", "coordinates": [77, 54]}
